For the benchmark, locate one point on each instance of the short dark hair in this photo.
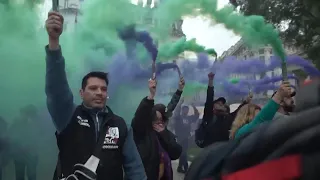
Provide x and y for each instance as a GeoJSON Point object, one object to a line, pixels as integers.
{"type": "Point", "coordinates": [96, 74]}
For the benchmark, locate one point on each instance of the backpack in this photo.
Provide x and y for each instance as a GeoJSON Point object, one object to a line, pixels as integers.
{"type": "Point", "coordinates": [279, 150]}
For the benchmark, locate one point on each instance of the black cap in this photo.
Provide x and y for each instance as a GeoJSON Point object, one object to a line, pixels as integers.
{"type": "Point", "coordinates": [292, 94]}
{"type": "Point", "coordinates": [163, 111]}
{"type": "Point", "coordinates": [221, 99]}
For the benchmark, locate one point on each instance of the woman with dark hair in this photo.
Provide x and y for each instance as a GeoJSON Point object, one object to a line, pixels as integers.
{"type": "Point", "coordinates": [156, 144]}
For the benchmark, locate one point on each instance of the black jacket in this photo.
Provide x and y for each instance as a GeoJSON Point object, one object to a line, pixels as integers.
{"type": "Point", "coordinates": [146, 138]}
{"type": "Point", "coordinates": [77, 142]}
{"type": "Point", "coordinates": [214, 127]}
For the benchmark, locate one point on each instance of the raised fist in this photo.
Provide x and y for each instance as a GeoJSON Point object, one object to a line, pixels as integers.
{"type": "Point", "coordinates": [54, 25]}
{"type": "Point", "coordinates": [152, 86]}
{"type": "Point", "coordinates": [284, 90]}
{"type": "Point", "coordinates": [211, 76]}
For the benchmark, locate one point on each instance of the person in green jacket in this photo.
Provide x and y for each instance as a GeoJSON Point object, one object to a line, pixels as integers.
{"type": "Point", "coordinates": [251, 115]}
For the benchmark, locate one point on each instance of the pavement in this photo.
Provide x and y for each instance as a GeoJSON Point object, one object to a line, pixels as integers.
{"type": "Point", "coordinates": [176, 175]}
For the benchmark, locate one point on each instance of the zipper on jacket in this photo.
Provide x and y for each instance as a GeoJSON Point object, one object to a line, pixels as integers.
{"type": "Point", "coordinates": [98, 126]}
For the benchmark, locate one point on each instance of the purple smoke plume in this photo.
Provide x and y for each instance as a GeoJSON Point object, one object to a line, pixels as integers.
{"type": "Point", "coordinates": [251, 66]}
{"type": "Point", "coordinates": [203, 61]}
{"type": "Point", "coordinates": [145, 38]}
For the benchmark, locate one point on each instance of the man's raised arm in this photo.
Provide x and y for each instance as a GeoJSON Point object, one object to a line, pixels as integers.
{"type": "Point", "coordinates": [142, 120]}
{"type": "Point", "coordinates": [208, 107]}
{"type": "Point", "coordinates": [176, 97]}
{"type": "Point", "coordinates": [59, 96]}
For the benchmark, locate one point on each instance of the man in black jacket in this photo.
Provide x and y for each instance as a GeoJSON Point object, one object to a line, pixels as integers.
{"type": "Point", "coordinates": [78, 127]}
{"type": "Point", "coordinates": [216, 121]}
{"type": "Point", "coordinates": [156, 144]}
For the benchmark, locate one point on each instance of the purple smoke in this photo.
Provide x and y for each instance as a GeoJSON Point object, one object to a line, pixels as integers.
{"type": "Point", "coordinates": [203, 61]}
{"type": "Point", "coordinates": [251, 66]}
{"type": "Point", "coordinates": [145, 38]}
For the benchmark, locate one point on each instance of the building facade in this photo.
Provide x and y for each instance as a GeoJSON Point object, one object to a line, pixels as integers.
{"type": "Point", "coordinates": [70, 10]}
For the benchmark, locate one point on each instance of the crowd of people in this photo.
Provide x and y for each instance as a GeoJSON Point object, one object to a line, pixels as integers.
{"type": "Point", "coordinates": [91, 131]}
{"type": "Point", "coordinates": [19, 143]}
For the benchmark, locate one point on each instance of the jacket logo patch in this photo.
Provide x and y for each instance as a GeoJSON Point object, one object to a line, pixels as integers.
{"type": "Point", "coordinates": [83, 122]}
{"type": "Point", "coordinates": [111, 138]}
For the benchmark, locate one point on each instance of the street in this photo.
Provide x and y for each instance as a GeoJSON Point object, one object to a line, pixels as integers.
{"type": "Point", "coordinates": [176, 175]}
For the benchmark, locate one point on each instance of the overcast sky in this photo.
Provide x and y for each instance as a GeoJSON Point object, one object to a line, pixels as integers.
{"type": "Point", "coordinates": [207, 33]}
{"type": "Point", "coordinates": [211, 36]}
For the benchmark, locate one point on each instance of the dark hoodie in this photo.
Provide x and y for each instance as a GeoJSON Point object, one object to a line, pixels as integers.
{"type": "Point", "coordinates": [215, 125]}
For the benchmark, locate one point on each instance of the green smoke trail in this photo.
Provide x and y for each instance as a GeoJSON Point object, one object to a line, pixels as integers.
{"type": "Point", "coordinates": [22, 57]}
{"type": "Point", "coordinates": [253, 29]}
{"type": "Point", "coordinates": [192, 87]}
{"type": "Point", "coordinates": [171, 50]}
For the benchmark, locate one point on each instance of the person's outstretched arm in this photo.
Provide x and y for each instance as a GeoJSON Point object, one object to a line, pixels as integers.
{"type": "Point", "coordinates": [177, 110]}
{"type": "Point", "coordinates": [142, 120]}
{"type": "Point", "coordinates": [133, 166]}
{"type": "Point", "coordinates": [176, 97]}
{"type": "Point", "coordinates": [208, 106]}
{"type": "Point", "coordinates": [174, 102]}
{"type": "Point", "coordinates": [59, 96]}
{"type": "Point", "coordinates": [268, 111]}
{"type": "Point", "coordinates": [202, 137]}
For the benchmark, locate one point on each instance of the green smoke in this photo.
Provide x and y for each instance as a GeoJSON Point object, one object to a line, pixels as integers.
{"type": "Point", "coordinates": [171, 50]}
{"type": "Point", "coordinates": [193, 87]}
{"type": "Point", "coordinates": [22, 41]}
{"type": "Point", "coordinates": [253, 29]}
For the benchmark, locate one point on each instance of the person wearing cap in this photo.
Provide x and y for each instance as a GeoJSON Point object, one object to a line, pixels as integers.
{"type": "Point", "coordinates": [217, 119]}
{"type": "Point", "coordinates": [156, 144]}
{"type": "Point", "coordinates": [182, 124]}
{"type": "Point", "coordinates": [286, 106]}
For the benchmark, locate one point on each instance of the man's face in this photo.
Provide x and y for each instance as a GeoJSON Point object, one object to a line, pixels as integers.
{"type": "Point", "coordinates": [184, 111]}
{"type": "Point", "coordinates": [95, 93]}
{"type": "Point", "coordinates": [288, 104]}
{"type": "Point", "coordinates": [219, 106]}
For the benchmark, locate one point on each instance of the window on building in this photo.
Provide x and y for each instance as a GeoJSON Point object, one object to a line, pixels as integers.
{"type": "Point", "coordinates": [261, 51]}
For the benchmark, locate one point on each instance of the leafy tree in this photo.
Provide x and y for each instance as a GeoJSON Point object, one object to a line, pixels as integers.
{"type": "Point", "coordinates": [297, 20]}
